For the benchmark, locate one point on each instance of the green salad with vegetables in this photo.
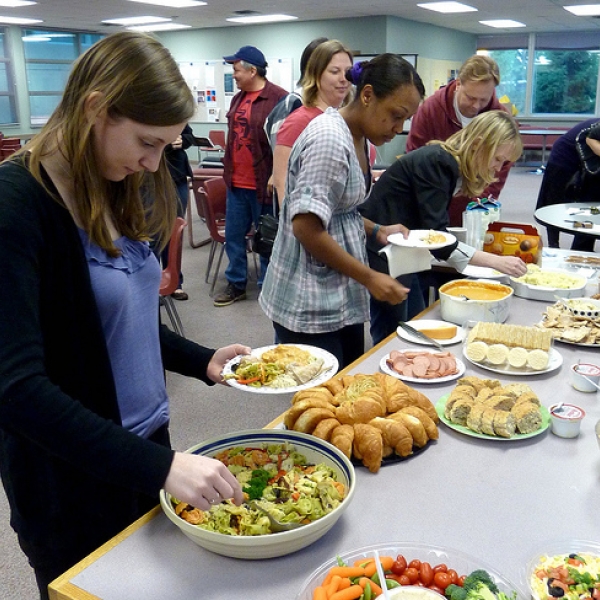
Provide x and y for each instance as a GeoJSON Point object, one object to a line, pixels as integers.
{"type": "Point", "coordinates": [281, 480]}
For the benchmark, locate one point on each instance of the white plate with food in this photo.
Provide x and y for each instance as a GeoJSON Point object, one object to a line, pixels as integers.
{"type": "Point", "coordinates": [280, 368]}
{"type": "Point", "coordinates": [436, 363]}
{"type": "Point", "coordinates": [555, 360]}
{"type": "Point", "coordinates": [452, 334]}
{"type": "Point", "coordinates": [422, 238]}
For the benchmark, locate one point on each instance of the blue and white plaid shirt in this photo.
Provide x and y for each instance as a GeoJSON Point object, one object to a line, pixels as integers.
{"type": "Point", "coordinates": [324, 178]}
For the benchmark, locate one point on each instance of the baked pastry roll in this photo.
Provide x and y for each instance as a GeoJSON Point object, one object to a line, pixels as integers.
{"type": "Point", "coordinates": [475, 417]}
{"type": "Point", "coordinates": [504, 424]}
{"type": "Point", "coordinates": [430, 427]}
{"type": "Point", "coordinates": [527, 416]}
{"type": "Point", "coordinates": [460, 411]}
{"type": "Point", "coordinates": [325, 427]}
{"type": "Point", "coordinates": [368, 446]}
{"type": "Point", "coordinates": [414, 426]}
{"type": "Point", "coordinates": [342, 438]}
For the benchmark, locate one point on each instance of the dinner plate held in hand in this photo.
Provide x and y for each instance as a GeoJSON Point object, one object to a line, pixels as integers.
{"type": "Point", "coordinates": [419, 238]}
{"type": "Point", "coordinates": [329, 369]}
{"type": "Point", "coordinates": [460, 367]}
{"type": "Point", "coordinates": [430, 324]}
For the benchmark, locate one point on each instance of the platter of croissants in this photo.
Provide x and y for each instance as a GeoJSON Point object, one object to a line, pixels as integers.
{"type": "Point", "coordinates": [370, 418]}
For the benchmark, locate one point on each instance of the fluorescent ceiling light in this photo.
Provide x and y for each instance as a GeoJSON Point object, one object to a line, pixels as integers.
{"type": "Point", "coordinates": [503, 23]}
{"type": "Point", "coordinates": [172, 3]}
{"type": "Point", "coordinates": [584, 10]}
{"type": "Point", "coordinates": [136, 21]}
{"type": "Point", "coordinates": [261, 19]}
{"type": "Point", "coordinates": [448, 7]}
{"type": "Point", "coordinates": [18, 21]}
{"type": "Point", "coordinates": [159, 27]}
{"type": "Point", "coordinates": [16, 3]}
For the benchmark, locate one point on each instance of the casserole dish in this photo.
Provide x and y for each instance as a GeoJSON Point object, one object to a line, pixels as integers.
{"type": "Point", "coordinates": [478, 300]}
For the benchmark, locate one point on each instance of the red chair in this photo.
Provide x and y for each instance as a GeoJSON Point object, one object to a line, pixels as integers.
{"type": "Point", "coordinates": [169, 281]}
{"type": "Point", "coordinates": [213, 197]}
{"type": "Point", "coordinates": [214, 155]}
{"type": "Point", "coordinates": [8, 147]}
{"type": "Point", "coordinates": [199, 176]}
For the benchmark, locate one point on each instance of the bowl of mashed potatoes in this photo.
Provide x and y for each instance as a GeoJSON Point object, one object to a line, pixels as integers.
{"type": "Point", "coordinates": [546, 284]}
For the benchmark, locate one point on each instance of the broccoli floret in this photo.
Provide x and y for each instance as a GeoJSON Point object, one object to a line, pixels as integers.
{"type": "Point", "coordinates": [477, 586]}
{"type": "Point", "coordinates": [455, 592]}
{"type": "Point", "coordinates": [257, 484]}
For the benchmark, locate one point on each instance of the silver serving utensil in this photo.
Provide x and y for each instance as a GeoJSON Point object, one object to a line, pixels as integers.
{"type": "Point", "coordinates": [276, 526]}
{"type": "Point", "coordinates": [420, 335]}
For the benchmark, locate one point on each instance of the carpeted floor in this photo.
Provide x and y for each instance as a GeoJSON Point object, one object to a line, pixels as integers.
{"type": "Point", "coordinates": [200, 412]}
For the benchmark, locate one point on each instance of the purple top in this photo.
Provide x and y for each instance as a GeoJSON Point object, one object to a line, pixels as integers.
{"type": "Point", "coordinates": [126, 291]}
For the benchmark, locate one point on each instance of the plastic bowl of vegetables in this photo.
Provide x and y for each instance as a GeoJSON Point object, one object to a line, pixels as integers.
{"type": "Point", "coordinates": [415, 556]}
{"type": "Point", "coordinates": [565, 569]}
{"type": "Point", "coordinates": [312, 483]}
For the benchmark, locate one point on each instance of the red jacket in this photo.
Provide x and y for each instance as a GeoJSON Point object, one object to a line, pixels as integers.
{"type": "Point", "coordinates": [261, 150]}
{"type": "Point", "coordinates": [436, 120]}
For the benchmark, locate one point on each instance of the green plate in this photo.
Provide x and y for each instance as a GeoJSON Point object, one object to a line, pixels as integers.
{"type": "Point", "coordinates": [441, 404]}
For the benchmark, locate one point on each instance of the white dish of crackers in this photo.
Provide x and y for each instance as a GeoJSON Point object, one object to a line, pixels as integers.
{"type": "Point", "coordinates": [422, 366]}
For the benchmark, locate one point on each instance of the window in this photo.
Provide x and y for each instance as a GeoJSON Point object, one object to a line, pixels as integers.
{"type": "Point", "coordinates": [563, 70]}
{"type": "Point", "coordinates": [8, 113]}
{"type": "Point", "coordinates": [49, 56]}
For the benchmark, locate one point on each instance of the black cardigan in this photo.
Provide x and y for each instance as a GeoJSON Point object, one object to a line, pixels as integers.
{"type": "Point", "coordinates": [64, 456]}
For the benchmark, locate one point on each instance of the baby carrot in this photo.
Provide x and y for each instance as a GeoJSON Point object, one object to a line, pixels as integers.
{"type": "Point", "coordinates": [333, 586]}
{"type": "Point", "coordinates": [363, 562]}
{"type": "Point", "coordinates": [344, 583]}
{"type": "Point", "coordinates": [386, 565]}
{"type": "Point", "coordinates": [364, 581]}
{"type": "Point", "coordinates": [347, 571]}
{"type": "Point", "coordinates": [352, 593]}
{"type": "Point", "coordinates": [327, 579]}
{"type": "Point", "coordinates": [319, 593]}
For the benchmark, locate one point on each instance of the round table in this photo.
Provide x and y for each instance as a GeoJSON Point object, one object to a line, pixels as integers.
{"type": "Point", "coordinates": [571, 217]}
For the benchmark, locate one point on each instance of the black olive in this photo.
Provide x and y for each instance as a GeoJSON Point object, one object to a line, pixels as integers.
{"type": "Point", "coordinates": [573, 556]}
{"type": "Point", "coordinates": [555, 591]}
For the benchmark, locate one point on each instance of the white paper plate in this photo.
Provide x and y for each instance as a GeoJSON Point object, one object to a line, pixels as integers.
{"type": "Point", "coordinates": [417, 239]}
{"type": "Point", "coordinates": [460, 365]}
{"type": "Point", "coordinates": [483, 273]}
{"type": "Point", "coordinates": [556, 360]}
{"type": "Point", "coordinates": [330, 368]}
{"type": "Point", "coordinates": [428, 324]}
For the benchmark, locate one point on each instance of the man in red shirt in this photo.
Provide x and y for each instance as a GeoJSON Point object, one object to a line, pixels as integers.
{"type": "Point", "coordinates": [451, 108]}
{"type": "Point", "coordinates": [248, 163]}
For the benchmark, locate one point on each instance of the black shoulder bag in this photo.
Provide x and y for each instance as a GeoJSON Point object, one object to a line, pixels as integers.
{"type": "Point", "coordinates": [266, 231]}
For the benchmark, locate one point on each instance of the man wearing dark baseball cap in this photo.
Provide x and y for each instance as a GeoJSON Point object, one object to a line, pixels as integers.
{"type": "Point", "coordinates": [248, 54]}
{"type": "Point", "coordinates": [248, 164]}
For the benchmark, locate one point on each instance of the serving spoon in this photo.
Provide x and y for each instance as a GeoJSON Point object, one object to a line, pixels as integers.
{"type": "Point", "coordinates": [276, 526]}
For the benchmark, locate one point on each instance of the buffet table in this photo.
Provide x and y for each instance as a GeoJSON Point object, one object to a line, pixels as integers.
{"type": "Point", "coordinates": [572, 217]}
{"type": "Point", "coordinates": [500, 501]}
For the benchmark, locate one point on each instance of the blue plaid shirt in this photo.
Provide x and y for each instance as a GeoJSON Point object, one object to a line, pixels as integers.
{"type": "Point", "coordinates": [325, 179]}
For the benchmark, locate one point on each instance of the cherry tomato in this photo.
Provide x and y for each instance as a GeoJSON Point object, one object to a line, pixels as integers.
{"type": "Point", "coordinates": [461, 580]}
{"type": "Point", "coordinates": [412, 574]}
{"type": "Point", "coordinates": [441, 568]}
{"type": "Point", "coordinates": [404, 580]}
{"type": "Point", "coordinates": [415, 564]}
{"type": "Point", "coordinates": [399, 565]}
{"type": "Point", "coordinates": [453, 576]}
{"type": "Point", "coordinates": [442, 580]}
{"type": "Point", "coordinates": [437, 589]}
{"type": "Point", "coordinates": [426, 574]}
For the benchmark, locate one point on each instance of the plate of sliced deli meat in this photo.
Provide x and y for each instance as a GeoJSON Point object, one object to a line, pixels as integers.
{"type": "Point", "coordinates": [422, 366]}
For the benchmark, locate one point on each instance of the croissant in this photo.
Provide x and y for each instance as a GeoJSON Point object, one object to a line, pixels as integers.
{"type": "Point", "coordinates": [324, 428]}
{"type": "Point", "coordinates": [342, 438]}
{"type": "Point", "coordinates": [406, 396]}
{"type": "Point", "coordinates": [335, 386]}
{"type": "Point", "coordinates": [396, 438]}
{"type": "Point", "coordinates": [361, 410]}
{"type": "Point", "coordinates": [416, 428]}
{"type": "Point", "coordinates": [320, 392]}
{"type": "Point", "coordinates": [368, 446]}
{"type": "Point", "coordinates": [428, 423]}
{"type": "Point", "coordinates": [298, 408]}
{"type": "Point", "coordinates": [310, 418]}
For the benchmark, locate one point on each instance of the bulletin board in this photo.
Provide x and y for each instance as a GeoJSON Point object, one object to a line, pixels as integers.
{"type": "Point", "coordinates": [213, 87]}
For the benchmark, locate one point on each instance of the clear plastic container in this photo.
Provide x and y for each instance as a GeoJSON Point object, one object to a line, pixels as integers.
{"type": "Point", "coordinates": [455, 559]}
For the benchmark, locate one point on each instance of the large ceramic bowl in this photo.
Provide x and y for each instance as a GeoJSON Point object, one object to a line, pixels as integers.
{"type": "Point", "coordinates": [480, 300]}
{"type": "Point", "coordinates": [555, 550]}
{"type": "Point", "coordinates": [274, 544]}
{"type": "Point", "coordinates": [543, 284]}
{"type": "Point", "coordinates": [454, 559]}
